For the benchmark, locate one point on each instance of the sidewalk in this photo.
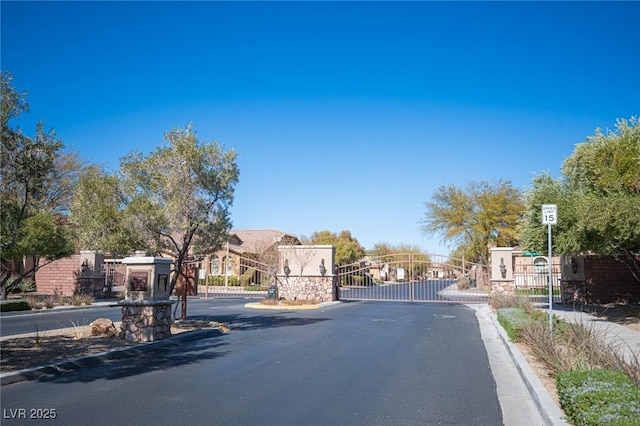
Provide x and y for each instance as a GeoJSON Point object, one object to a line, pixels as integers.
{"type": "Point", "coordinates": [619, 336]}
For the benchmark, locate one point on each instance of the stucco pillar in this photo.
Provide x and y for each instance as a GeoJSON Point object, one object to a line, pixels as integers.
{"type": "Point", "coordinates": [502, 281]}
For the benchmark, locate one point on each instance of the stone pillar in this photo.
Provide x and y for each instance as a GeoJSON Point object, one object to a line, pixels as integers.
{"type": "Point", "coordinates": [146, 321]}
{"type": "Point", "coordinates": [90, 281]}
{"type": "Point", "coordinates": [146, 309]}
{"type": "Point", "coordinates": [307, 272]}
{"type": "Point", "coordinates": [502, 281]}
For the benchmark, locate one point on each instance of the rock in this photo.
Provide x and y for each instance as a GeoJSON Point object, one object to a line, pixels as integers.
{"type": "Point", "coordinates": [103, 327]}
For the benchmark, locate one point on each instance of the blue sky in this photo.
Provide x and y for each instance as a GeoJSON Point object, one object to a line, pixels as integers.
{"type": "Point", "coordinates": [345, 115]}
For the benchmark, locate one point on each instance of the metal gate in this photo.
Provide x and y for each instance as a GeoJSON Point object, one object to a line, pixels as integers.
{"type": "Point", "coordinates": [414, 277]}
{"type": "Point", "coordinates": [247, 279]}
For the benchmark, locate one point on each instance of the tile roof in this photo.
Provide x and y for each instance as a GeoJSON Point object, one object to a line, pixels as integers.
{"type": "Point", "coordinates": [255, 240]}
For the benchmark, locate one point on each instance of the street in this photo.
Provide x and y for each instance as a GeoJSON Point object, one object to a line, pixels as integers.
{"type": "Point", "coordinates": [20, 322]}
{"type": "Point", "coordinates": [358, 363]}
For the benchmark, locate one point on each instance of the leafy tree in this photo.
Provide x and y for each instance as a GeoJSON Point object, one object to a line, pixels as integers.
{"type": "Point", "coordinates": [173, 202]}
{"type": "Point", "coordinates": [36, 180]}
{"type": "Point", "coordinates": [598, 198]}
{"type": "Point", "coordinates": [397, 255]}
{"type": "Point", "coordinates": [348, 249]}
{"type": "Point", "coordinates": [97, 211]}
{"type": "Point", "coordinates": [475, 217]}
{"type": "Point", "coordinates": [383, 249]}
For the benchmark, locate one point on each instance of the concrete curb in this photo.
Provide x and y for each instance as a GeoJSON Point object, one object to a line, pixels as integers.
{"type": "Point", "coordinates": [546, 405]}
{"type": "Point", "coordinates": [97, 359]}
{"type": "Point", "coordinates": [258, 305]}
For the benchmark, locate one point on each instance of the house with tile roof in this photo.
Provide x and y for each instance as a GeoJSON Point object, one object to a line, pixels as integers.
{"type": "Point", "coordinates": [246, 249]}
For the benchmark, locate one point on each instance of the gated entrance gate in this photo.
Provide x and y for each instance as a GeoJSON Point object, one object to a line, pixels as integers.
{"type": "Point", "coordinates": [249, 279]}
{"type": "Point", "coordinates": [414, 277]}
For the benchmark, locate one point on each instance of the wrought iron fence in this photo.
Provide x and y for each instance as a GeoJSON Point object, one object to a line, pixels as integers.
{"type": "Point", "coordinates": [250, 281]}
{"type": "Point", "coordinates": [533, 281]}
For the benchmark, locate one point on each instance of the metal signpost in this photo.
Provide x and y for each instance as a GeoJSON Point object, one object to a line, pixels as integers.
{"type": "Point", "coordinates": [550, 217]}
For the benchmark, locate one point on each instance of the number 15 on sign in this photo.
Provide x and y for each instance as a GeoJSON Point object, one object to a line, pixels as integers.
{"type": "Point", "coordinates": [549, 214]}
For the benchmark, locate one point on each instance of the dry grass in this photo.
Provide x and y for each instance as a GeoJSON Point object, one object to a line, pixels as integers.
{"type": "Point", "coordinates": [575, 346]}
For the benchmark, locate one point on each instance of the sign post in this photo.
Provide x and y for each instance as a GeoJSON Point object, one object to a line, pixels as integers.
{"type": "Point", "coordinates": [550, 217]}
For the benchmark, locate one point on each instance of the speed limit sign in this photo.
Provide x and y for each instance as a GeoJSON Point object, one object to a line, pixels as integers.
{"type": "Point", "coordinates": [549, 214]}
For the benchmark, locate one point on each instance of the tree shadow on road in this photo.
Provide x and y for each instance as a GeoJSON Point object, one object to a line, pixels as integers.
{"type": "Point", "coordinates": [138, 360]}
{"type": "Point", "coordinates": [164, 355]}
{"type": "Point", "coordinates": [238, 322]}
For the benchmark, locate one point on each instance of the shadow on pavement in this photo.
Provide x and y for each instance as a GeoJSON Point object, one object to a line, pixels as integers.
{"type": "Point", "coordinates": [238, 322]}
{"type": "Point", "coordinates": [134, 362]}
{"type": "Point", "coordinates": [166, 354]}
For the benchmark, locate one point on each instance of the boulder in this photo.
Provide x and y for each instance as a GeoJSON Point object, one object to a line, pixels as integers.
{"type": "Point", "coordinates": [103, 327]}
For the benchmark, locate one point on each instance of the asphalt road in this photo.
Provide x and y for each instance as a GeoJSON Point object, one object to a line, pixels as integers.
{"type": "Point", "coordinates": [20, 322]}
{"type": "Point", "coordinates": [360, 363]}
{"type": "Point", "coordinates": [51, 319]}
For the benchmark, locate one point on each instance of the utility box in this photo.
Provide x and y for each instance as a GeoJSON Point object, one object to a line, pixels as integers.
{"type": "Point", "coordinates": [272, 293]}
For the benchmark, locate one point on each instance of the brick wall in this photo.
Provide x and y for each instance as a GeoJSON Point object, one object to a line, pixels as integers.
{"type": "Point", "coordinates": [59, 276]}
{"type": "Point", "coordinates": [608, 280]}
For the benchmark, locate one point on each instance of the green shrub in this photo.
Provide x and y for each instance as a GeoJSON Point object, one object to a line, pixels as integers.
{"type": "Point", "coordinates": [247, 276]}
{"type": "Point", "coordinates": [357, 280]}
{"type": "Point", "coordinates": [15, 305]}
{"type": "Point", "coordinates": [256, 288]}
{"type": "Point", "coordinates": [219, 280]}
{"type": "Point", "coordinates": [513, 320]}
{"type": "Point", "coordinates": [599, 397]}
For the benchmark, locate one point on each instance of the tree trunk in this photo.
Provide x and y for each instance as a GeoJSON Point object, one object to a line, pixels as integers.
{"type": "Point", "coordinates": [632, 262]}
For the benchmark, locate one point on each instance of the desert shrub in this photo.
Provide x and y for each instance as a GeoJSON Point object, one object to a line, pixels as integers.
{"type": "Point", "coordinates": [34, 300]}
{"type": "Point", "coordinates": [599, 397]}
{"type": "Point", "coordinates": [15, 305]}
{"type": "Point", "coordinates": [547, 347]}
{"type": "Point", "coordinates": [592, 348]}
{"type": "Point", "coordinates": [464, 283]}
{"type": "Point", "coordinates": [12, 284]}
{"type": "Point", "coordinates": [503, 300]}
{"type": "Point", "coordinates": [27, 286]}
{"type": "Point", "coordinates": [49, 301]}
{"type": "Point", "coordinates": [80, 330]}
{"type": "Point", "coordinates": [82, 299]}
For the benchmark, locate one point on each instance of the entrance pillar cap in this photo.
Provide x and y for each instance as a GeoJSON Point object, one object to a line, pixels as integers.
{"type": "Point", "coordinates": [146, 260]}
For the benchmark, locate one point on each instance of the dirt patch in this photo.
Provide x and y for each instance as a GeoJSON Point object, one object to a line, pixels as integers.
{"type": "Point", "coordinates": [54, 346]}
